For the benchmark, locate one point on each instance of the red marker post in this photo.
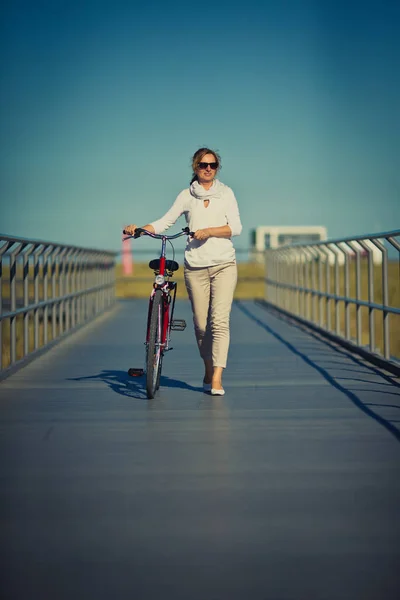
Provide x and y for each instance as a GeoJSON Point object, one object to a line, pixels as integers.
{"type": "Point", "coordinates": [127, 260]}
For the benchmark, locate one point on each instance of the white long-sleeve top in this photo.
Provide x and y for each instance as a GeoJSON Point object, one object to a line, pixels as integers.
{"type": "Point", "coordinates": [219, 212]}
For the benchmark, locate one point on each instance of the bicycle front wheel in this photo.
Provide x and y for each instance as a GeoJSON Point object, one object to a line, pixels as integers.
{"type": "Point", "coordinates": [154, 353]}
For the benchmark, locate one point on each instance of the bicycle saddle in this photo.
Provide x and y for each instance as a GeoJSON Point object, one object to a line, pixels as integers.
{"type": "Point", "coordinates": [170, 265]}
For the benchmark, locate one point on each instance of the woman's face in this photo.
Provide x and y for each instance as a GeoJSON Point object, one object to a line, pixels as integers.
{"type": "Point", "coordinates": [207, 168]}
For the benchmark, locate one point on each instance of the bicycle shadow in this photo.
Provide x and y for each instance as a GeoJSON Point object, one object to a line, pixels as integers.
{"type": "Point", "coordinates": [323, 371]}
{"type": "Point", "coordinates": [132, 387]}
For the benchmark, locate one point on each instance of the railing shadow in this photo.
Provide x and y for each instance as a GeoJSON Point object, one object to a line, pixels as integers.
{"type": "Point", "coordinates": [341, 351]}
{"type": "Point", "coordinates": [322, 371]}
{"type": "Point", "coordinates": [132, 387]}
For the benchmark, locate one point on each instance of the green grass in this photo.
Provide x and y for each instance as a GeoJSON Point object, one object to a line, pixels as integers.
{"type": "Point", "coordinates": [250, 284]}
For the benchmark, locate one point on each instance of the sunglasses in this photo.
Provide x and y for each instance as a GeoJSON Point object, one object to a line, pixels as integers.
{"type": "Point", "coordinates": [204, 165]}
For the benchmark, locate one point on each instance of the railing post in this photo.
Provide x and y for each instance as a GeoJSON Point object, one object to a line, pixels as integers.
{"type": "Point", "coordinates": [86, 280]}
{"type": "Point", "coordinates": [68, 301]}
{"type": "Point", "coordinates": [285, 292]}
{"type": "Point", "coordinates": [292, 279]}
{"type": "Point", "coordinates": [311, 289]}
{"type": "Point", "coordinates": [36, 276]}
{"type": "Point", "coordinates": [296, 257]}
{"type": "Point", "coordinates": [303, 279]}
{"type": "Point", "coordinates": [78, 285]}
{"type": "Point", "coordinates": [101, 282]}
{"type": "Point", "coordinates": [47, 252]}
{"type": "Point", "coordinates": [313, 285]}
{"type": "Point", "coordinates": [25, 278]}
{"type": "Point", "coordinates": [13, 301]}
{"type": "Point", "coordinates": [61, 290]}
{"type": "Point", "coordinates": [371, 319]}
{"type": "Point", "coordinates": [340, 246]}
{"type": "Point", "coordinates": [54, 305]}
{"type": "Point", "coordinates": [356, 250]}
{"type": "Point", "coordinates": [307, 295]}
{"type": "Point", "coordinates": [277, 277]}
{"type": "Point", "coordinates": [3, 250]}
{"type": "Point", "coordinates": [320, 302]}
{"type": "Point", "coordinates": [274, 275]}
{"type": "Point", "coordinates": [325, 252]}
{"type": "Point", "coordinates": [385, 297]}
{"type": "Point", "coordinates": [112, 281]}
{"type": "Point", "coordinates": [347, 294]}
{"type": "Point", "coordinates": [84, 285]}
{"type": "Point", "coordinates": [269, 259]}
{"type": "Point", "coordinates": [336, 252]}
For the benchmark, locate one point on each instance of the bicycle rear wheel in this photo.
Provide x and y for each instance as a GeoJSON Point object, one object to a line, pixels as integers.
{"type": "Point", "coordinates": [154, 352]}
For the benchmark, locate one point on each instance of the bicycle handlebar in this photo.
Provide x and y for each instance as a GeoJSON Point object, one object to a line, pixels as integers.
{"type": "Point", "coordinates": [139, 231]}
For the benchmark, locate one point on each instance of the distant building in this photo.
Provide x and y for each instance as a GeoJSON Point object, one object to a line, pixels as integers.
{"type": "Point", "coordinates": [265, 237]}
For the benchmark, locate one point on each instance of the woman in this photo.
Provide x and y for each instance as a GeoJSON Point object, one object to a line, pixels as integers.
{"type": "Point", "coordinates": [210, 270]}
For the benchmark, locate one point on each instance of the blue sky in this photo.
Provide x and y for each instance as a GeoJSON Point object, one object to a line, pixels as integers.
{"type": "Point", "coordinates": [104, 103]}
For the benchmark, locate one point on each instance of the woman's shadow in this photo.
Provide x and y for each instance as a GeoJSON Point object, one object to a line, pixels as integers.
{"type": "Point", "coordinates": [133, 387]}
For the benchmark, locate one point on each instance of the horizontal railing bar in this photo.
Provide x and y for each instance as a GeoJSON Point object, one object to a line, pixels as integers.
{"type": "Point", "coordinates": [394, 243]}
{"type": "Point", "coordinates": [32, 307]}
{"type": "Point", "coordinates": [372, 236]}
{"type": "Point", "coordinates": [16, 240]}
{"type": "Point", "coordinates": [349, 300]}
{"type": "Point", "coordinates": [111, 253]}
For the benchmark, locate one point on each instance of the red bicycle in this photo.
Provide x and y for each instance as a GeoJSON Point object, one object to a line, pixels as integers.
{"type": "Point", "coordinates": [160, 318]}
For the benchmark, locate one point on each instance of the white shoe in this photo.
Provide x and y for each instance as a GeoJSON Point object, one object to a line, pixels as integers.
{"type": "Point", "coordinates": [206, 387]}
{"type": "Point", "coordinates": [215, 392]}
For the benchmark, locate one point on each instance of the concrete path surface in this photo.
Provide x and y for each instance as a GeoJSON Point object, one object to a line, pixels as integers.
{"type": "Point", "coordinates": [285, 488]}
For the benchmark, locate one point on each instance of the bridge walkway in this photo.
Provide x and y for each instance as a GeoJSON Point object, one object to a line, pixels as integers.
{"type": "Point", "coordinates": [285, 488]}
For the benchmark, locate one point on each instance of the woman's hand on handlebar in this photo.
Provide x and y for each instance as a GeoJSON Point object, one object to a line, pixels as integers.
{"type": "Point", "coordinates": [129, 229]}
{"type": "Point", "coordinates": [202, 234]}
{"type": "Point", "coordinates": [136, 231]}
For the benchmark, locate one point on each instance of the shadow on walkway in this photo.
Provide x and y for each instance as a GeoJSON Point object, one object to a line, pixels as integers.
{"type": "Point", "coordinates": [322, 371]}
{"type": "Point", "coordinates": [364, 367]}
{"type": "Point", "coordinates": [133, 387]}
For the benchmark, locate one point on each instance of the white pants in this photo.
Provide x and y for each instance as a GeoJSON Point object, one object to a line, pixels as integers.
{"type": "Point", "coordinates": [211, 292]}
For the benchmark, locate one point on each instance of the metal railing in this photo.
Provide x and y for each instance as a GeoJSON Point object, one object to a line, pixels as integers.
{"type": "Point", "coordinates": [348, 288]}
{"type": "Point", "coordinates": [47, 290]}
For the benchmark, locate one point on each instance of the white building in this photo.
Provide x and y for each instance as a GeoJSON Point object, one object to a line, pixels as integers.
{"type": "Point", "coordinates": [273, 237]}
{"type": "Point", "coordinates": [265, 237]}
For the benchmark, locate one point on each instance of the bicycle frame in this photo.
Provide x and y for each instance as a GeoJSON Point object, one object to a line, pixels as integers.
{"type": "Point", "coordinates": [166, 316]}
{"type": "Point", "coordinates": [160, 314]}
{"type": "Point", "coordinates": [167, 287]}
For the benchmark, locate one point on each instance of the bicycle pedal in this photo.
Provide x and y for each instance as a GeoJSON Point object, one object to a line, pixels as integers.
{"type": "Point", "coordinates": [135, 372]}
{"type": "Point", "coordinates": [178, 325]}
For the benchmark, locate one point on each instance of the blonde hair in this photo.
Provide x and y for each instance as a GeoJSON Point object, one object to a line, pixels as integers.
{"type": "Point", "coordinates": [198, 157]}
